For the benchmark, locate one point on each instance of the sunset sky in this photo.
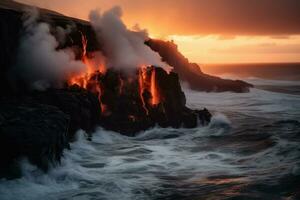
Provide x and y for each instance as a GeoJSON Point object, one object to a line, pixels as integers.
{"type": "Point", "coordinates": [208, 31]}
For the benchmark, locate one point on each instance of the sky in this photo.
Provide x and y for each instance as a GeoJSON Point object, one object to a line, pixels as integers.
{"type": "Point", "coordinates": [208, 31]}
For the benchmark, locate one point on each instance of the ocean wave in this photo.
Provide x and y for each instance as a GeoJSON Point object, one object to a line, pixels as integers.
{"type": "Point", "coordinates": [250, 147]}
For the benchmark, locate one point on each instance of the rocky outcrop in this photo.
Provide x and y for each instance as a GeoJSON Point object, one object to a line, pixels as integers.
{"type": "Point", "coordinates": [142, 100]}
{"type": "Point", "coordinates": [35, 131]}
{"type": "Point", "coordinates": [191, 72]}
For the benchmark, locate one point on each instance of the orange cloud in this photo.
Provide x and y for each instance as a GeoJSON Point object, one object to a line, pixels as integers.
{"type": "Point", "coordinates": [208, 31]}
{"type": "Point", "coordinates": [186, 17]}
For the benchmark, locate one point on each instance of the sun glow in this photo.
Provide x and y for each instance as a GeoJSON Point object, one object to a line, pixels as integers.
{"type": "Point", "coordinates": [238, 49]}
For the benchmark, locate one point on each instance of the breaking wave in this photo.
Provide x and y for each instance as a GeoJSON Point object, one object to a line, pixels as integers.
{"type": "Point", "coordinates": [249, 150]}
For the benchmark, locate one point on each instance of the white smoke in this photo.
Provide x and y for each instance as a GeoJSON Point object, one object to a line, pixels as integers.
{"type": "Point", "coordinates": [42, 65]}
{"type": "Point", "coordinates": [124, 49]}
{"type": "Point", "coordinates": [61, 33]}
{"type": "Point", "coordinates": [39, 63]}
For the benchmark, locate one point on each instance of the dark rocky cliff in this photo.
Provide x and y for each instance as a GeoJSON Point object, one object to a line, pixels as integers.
{"type": "Point", "coordinates": [191, 72]}
{"type": "Point", "coordinates": [131, 108]}
{"type": "Point", "coordinates": [39, 125]}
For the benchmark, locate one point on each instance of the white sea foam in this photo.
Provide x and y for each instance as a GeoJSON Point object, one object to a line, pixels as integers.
{"type": "Point", "coordinates": [113, 166]}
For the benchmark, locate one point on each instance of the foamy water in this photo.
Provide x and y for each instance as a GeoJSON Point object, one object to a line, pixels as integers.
{"type": "Point", "coordinates": [250, 149]}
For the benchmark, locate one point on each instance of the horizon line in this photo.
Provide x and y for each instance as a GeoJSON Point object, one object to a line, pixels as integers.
{"type": "Point", "coordinates": [241, 63]}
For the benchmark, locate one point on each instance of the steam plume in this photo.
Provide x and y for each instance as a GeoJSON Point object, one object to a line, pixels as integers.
{"type": "Point", "coordinates": [124, 49]}
{"type": "Point", "coordinates": [39, 63]}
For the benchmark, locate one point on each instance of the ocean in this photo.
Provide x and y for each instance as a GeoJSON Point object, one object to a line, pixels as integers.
{"type": "Point", "coordinates": [273, 71]}
{"type": "Point", "coordinates": [250, 150]}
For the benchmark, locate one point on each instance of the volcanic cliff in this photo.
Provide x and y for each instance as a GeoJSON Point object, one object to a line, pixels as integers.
{"type": "Point", "coordinates": [38, 124]}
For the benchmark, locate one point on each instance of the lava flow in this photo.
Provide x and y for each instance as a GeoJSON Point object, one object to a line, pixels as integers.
{"type": "Point", "coordinates": [90, 78]}
{"type": "Point", "coordinates": [148, 84]}
{"type": "Point", "coordinates": [153, 89]}
{"type": "Point", "coordinates": [142, 78]}
{"type": "Point", "coordinates": [83, 79]}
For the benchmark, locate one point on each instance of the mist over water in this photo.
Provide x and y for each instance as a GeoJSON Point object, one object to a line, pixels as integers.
{"type": "Point", "coordinates": [250, 150]}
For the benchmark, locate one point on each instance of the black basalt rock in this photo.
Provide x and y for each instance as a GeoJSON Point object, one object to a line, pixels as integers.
{"type": "Point", "coordinates": [80, 105]}
{"type": "Point", "coordinates": [128, 103]}
{"type": "Point", "coordinates": [34, 131]}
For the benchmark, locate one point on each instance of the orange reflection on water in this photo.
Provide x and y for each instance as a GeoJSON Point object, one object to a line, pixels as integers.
{"type": "Point", "coordinates": [235, 185]}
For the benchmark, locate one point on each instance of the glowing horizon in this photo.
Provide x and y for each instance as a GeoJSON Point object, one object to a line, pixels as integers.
{"type": "Point", "coordinates": [204, 37]}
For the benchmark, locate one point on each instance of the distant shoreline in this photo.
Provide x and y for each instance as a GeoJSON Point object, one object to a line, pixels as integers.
{"type": "Point", "coordinates": [252, 63]}
{"type": "Point", "coordinates": [273, 71]}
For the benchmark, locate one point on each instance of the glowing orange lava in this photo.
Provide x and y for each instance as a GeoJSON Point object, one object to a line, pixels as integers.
{"type": "Point", "coordinates": [142, 78]}
{"type": "Point", "coordinates": [90, 78]}
{"type": "Point", "coordinates": [153, 89]}
{"type": "Point", "coordinates": [90, 65]}
{"type": "Point", "coordinates": [148, 83]}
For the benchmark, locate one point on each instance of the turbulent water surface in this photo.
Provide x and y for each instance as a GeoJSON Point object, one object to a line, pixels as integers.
{"type": "Point", "coordinates": [250, 150]}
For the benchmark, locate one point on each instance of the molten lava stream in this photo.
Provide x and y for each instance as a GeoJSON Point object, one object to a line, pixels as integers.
{"type": "Point", "coordinates": [153, 89]}
{"type": "Point", "coordinates": [148, 82]}
{"type": "Point", "coordinates": [89, 78]}
{"type": "Point", "coordinates": [142, 78]}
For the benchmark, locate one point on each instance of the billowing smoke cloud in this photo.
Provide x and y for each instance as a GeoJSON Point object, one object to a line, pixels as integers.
{"type": "Point", "coordinates": [42, 65]}
{"type": "Point", "coordinates": [124, 49]}
{"type": "Point", "coordinates": [39, 63]}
